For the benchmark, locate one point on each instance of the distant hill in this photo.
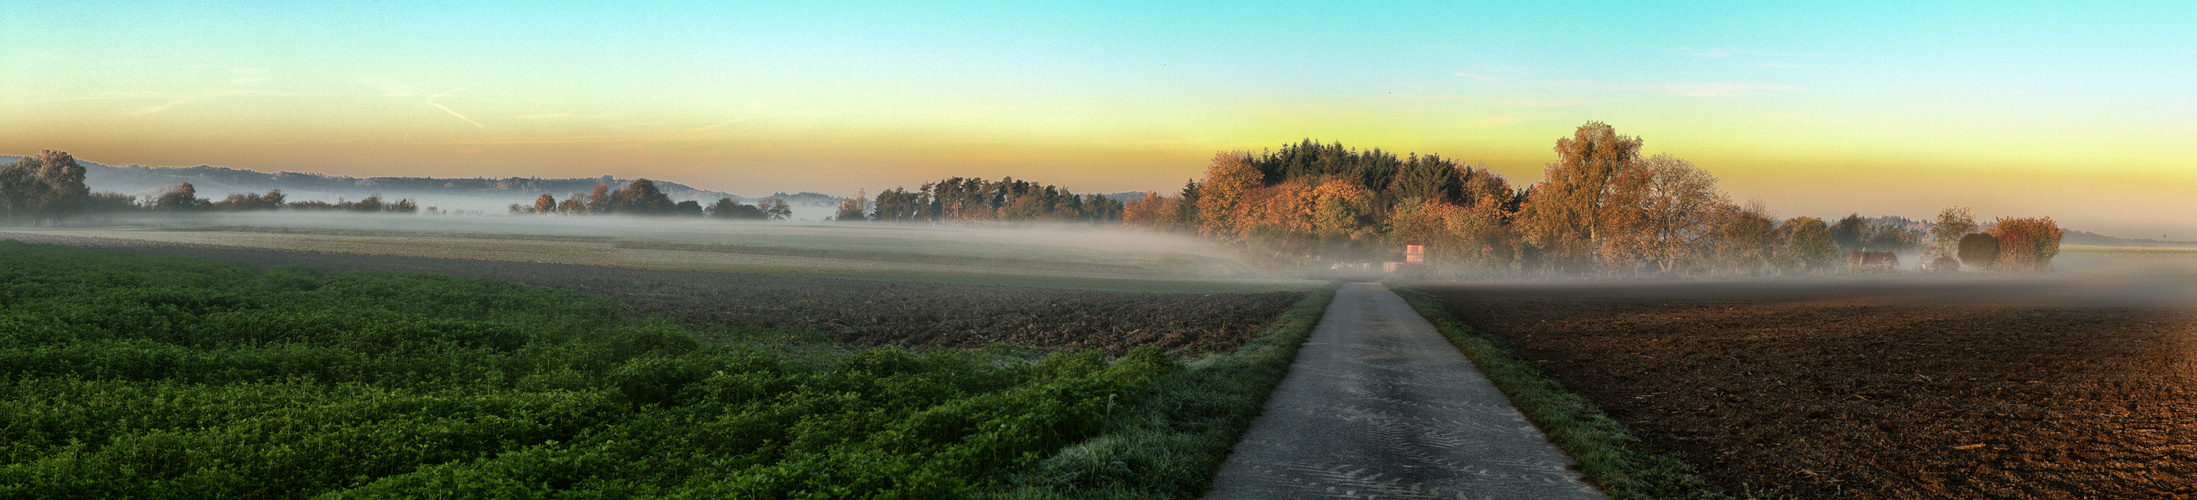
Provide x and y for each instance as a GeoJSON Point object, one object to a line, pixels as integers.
{"type": "Point", "coordinates": [215, 182]}
{"type": "Point", "coordinates": [808, 199]}
{"type": "Point", "coordinates": [1127, 196]}
{"type": "Point", "coordinates": [2074, 237]}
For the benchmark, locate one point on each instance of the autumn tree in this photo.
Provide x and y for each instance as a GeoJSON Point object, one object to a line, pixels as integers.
{"type": "Point", "coordinates": [1952, 224]}
{"type": "Point", "coordinates": [1662, 212]}
{"type": "Point", "coordinates": [1451, 233]}
{"type": "Point", "coordinates": [1342, 209]}
{"type": "Point", "coordinates": [641, 197]}
{"type": "Point", "coordinates": [599, 200]}
{"type": "Point", "coordinates": [183, 197]}
{"type": "Point", "coordinates": [1567, 205]}
{"type": "Point", "coordinates": [726, 208]}
{"type": "Point", "coordinates": [250, 201]}
{"type": "Point", "coordinates": [774, 209]}
{"type": "Point", "coordinates": [43, 187]}
{"type": "Point", "coordinates": [1227, 180]}
{"type": "Point", "coordinates": [1154, 210]}
{"type": "Point", "coordinates": [1892, 236]}
{"type": "Point", "coordinates": [1486, 191]}
{"type": "Point", "coordinates": [1808, 246]}
{"type": "Point", "coordinates": [545, 205]}
{"type": "Point", "coordinates": [573, 205]}
{"type": "Point", "coordinates": [1850, 233]}
{"type": "Point", "coordinates": [853, 209]}
{"type": "Point", "coordinates": [19, 188]}
{"type": "Point", "coordinates": [2027, 244]}
{"type": "Point", "coordinates": [1746, 239]}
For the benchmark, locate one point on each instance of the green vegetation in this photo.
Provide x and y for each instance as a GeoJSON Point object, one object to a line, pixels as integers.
{"type": "Point", "coordinates": [124, 375]}
{"type": "Point", "coordinates": [1172, 439]}
{"type": "Point", "coordinates": [1609, 455]}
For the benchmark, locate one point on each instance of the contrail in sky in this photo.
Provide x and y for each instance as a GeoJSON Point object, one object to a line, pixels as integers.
{"type": "Point", "coordinates": [446, 109]}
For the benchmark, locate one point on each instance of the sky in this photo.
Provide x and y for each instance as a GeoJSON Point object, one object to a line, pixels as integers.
{"type": "Point", "coordinates": [2076, 111]}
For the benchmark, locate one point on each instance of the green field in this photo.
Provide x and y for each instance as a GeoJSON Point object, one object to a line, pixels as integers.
{"type": "Point", "coordinates": [1105, 258]}
{"type": "Point", "coordinates": [132, 376]}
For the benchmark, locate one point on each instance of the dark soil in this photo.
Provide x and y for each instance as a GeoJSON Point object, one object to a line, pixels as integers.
{"type": "Point", "coordinates": [1891, 388]}
{"type": "Point", "coordinates": [862, 312]}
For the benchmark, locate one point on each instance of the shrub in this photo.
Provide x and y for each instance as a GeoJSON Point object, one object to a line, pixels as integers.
{"type": "Point", "coordinates": [2027, 244]}
{"type": "Point", "coordinates": [1979, 250]}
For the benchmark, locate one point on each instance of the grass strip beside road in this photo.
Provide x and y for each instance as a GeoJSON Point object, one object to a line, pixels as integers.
{"type": "Point", "coordinates": [1174, 437]}
{"type": "Point", "coordinates": [1610, 456]}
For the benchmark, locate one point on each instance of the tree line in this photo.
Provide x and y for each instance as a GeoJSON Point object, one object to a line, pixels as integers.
{"type": "Point", "coordinates": [50, 186]}
{"type": "Point", "coordinates": [184, 198]}
{"type": "Point", "coordinates": [1602, 207]}
{"type": "Point", "coordinates": [641, 197]}
{"type": "Point", "coordinates": [976, 199]}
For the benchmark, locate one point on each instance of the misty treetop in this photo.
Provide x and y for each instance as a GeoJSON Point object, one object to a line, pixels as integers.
{"type": "Point", "coordinates": [765, 209]}
{"type": "Point", "coordinates": [975, 199]}
{"type": "Point", "coordinates": [139, 177]}
{"type": "Point", "coordinates": [42, 188]}
{"type": "Point", "coordinates": [184, 198]}
{"type": "Point", "coordinates": [641, 197]}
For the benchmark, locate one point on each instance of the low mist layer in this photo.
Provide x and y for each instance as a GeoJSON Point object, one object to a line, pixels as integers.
{"type": "Point", "coordinates": [1072, 255]}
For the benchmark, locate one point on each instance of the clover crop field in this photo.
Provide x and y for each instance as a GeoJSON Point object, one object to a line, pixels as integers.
{"type": "Point", "coordinates": [125, 375]}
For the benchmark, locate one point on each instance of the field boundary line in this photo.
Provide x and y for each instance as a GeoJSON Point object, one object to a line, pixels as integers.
{"type": "Point", "coordinates": [1172, 441]}
{"type": "Point", "coordinates": [1609, 454]}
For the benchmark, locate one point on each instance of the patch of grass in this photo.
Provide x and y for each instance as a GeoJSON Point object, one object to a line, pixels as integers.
{"type": "Point", "coordinates": [1175, 435]}
{"type": "Point", "coordinates": [1608, 454]}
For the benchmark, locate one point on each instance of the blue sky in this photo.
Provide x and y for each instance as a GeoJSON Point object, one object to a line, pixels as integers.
{"type": "Point", "coordinates": [2076, 111]}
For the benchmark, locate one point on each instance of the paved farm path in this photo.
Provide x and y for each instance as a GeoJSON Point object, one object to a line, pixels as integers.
{"type": "Point", "coordinates": [1379, 405]}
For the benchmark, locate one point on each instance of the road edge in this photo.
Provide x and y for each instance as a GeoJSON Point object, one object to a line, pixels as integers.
{"type": "Point", "coordinates": [1608, 454]}
{"type": "Point", "coordinates": [1172, 441]}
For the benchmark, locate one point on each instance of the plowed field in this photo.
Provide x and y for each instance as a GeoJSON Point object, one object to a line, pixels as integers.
{"type": "Point", "coordinates": [1891, 388]}
{"type": "Point", "coordinates": [862, 312]}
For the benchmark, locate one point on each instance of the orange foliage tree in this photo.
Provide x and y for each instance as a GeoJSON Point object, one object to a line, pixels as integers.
{"type": "Point", "coordinates": [1341, 209]}
{"type": "Point", "coordinates": [1227, 180]}
{"type": "Point", "coordinates": [1155, 210]}
{"type": "Point", "coordinates": [1661, 212]}
{"type": "Point", "coordinates": [1566, 208]}
{"type": "Point", "coordinates": [545, 205]}
{"type": "Point", "coordinates": [2027, 243]}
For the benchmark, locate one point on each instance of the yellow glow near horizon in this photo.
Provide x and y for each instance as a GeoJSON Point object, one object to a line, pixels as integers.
{"type": "Point", "coordinates": [2084, 120]}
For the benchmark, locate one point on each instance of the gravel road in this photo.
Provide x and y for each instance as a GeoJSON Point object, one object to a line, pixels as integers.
{"type": "Point", "coordinates": [1378, 405]}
